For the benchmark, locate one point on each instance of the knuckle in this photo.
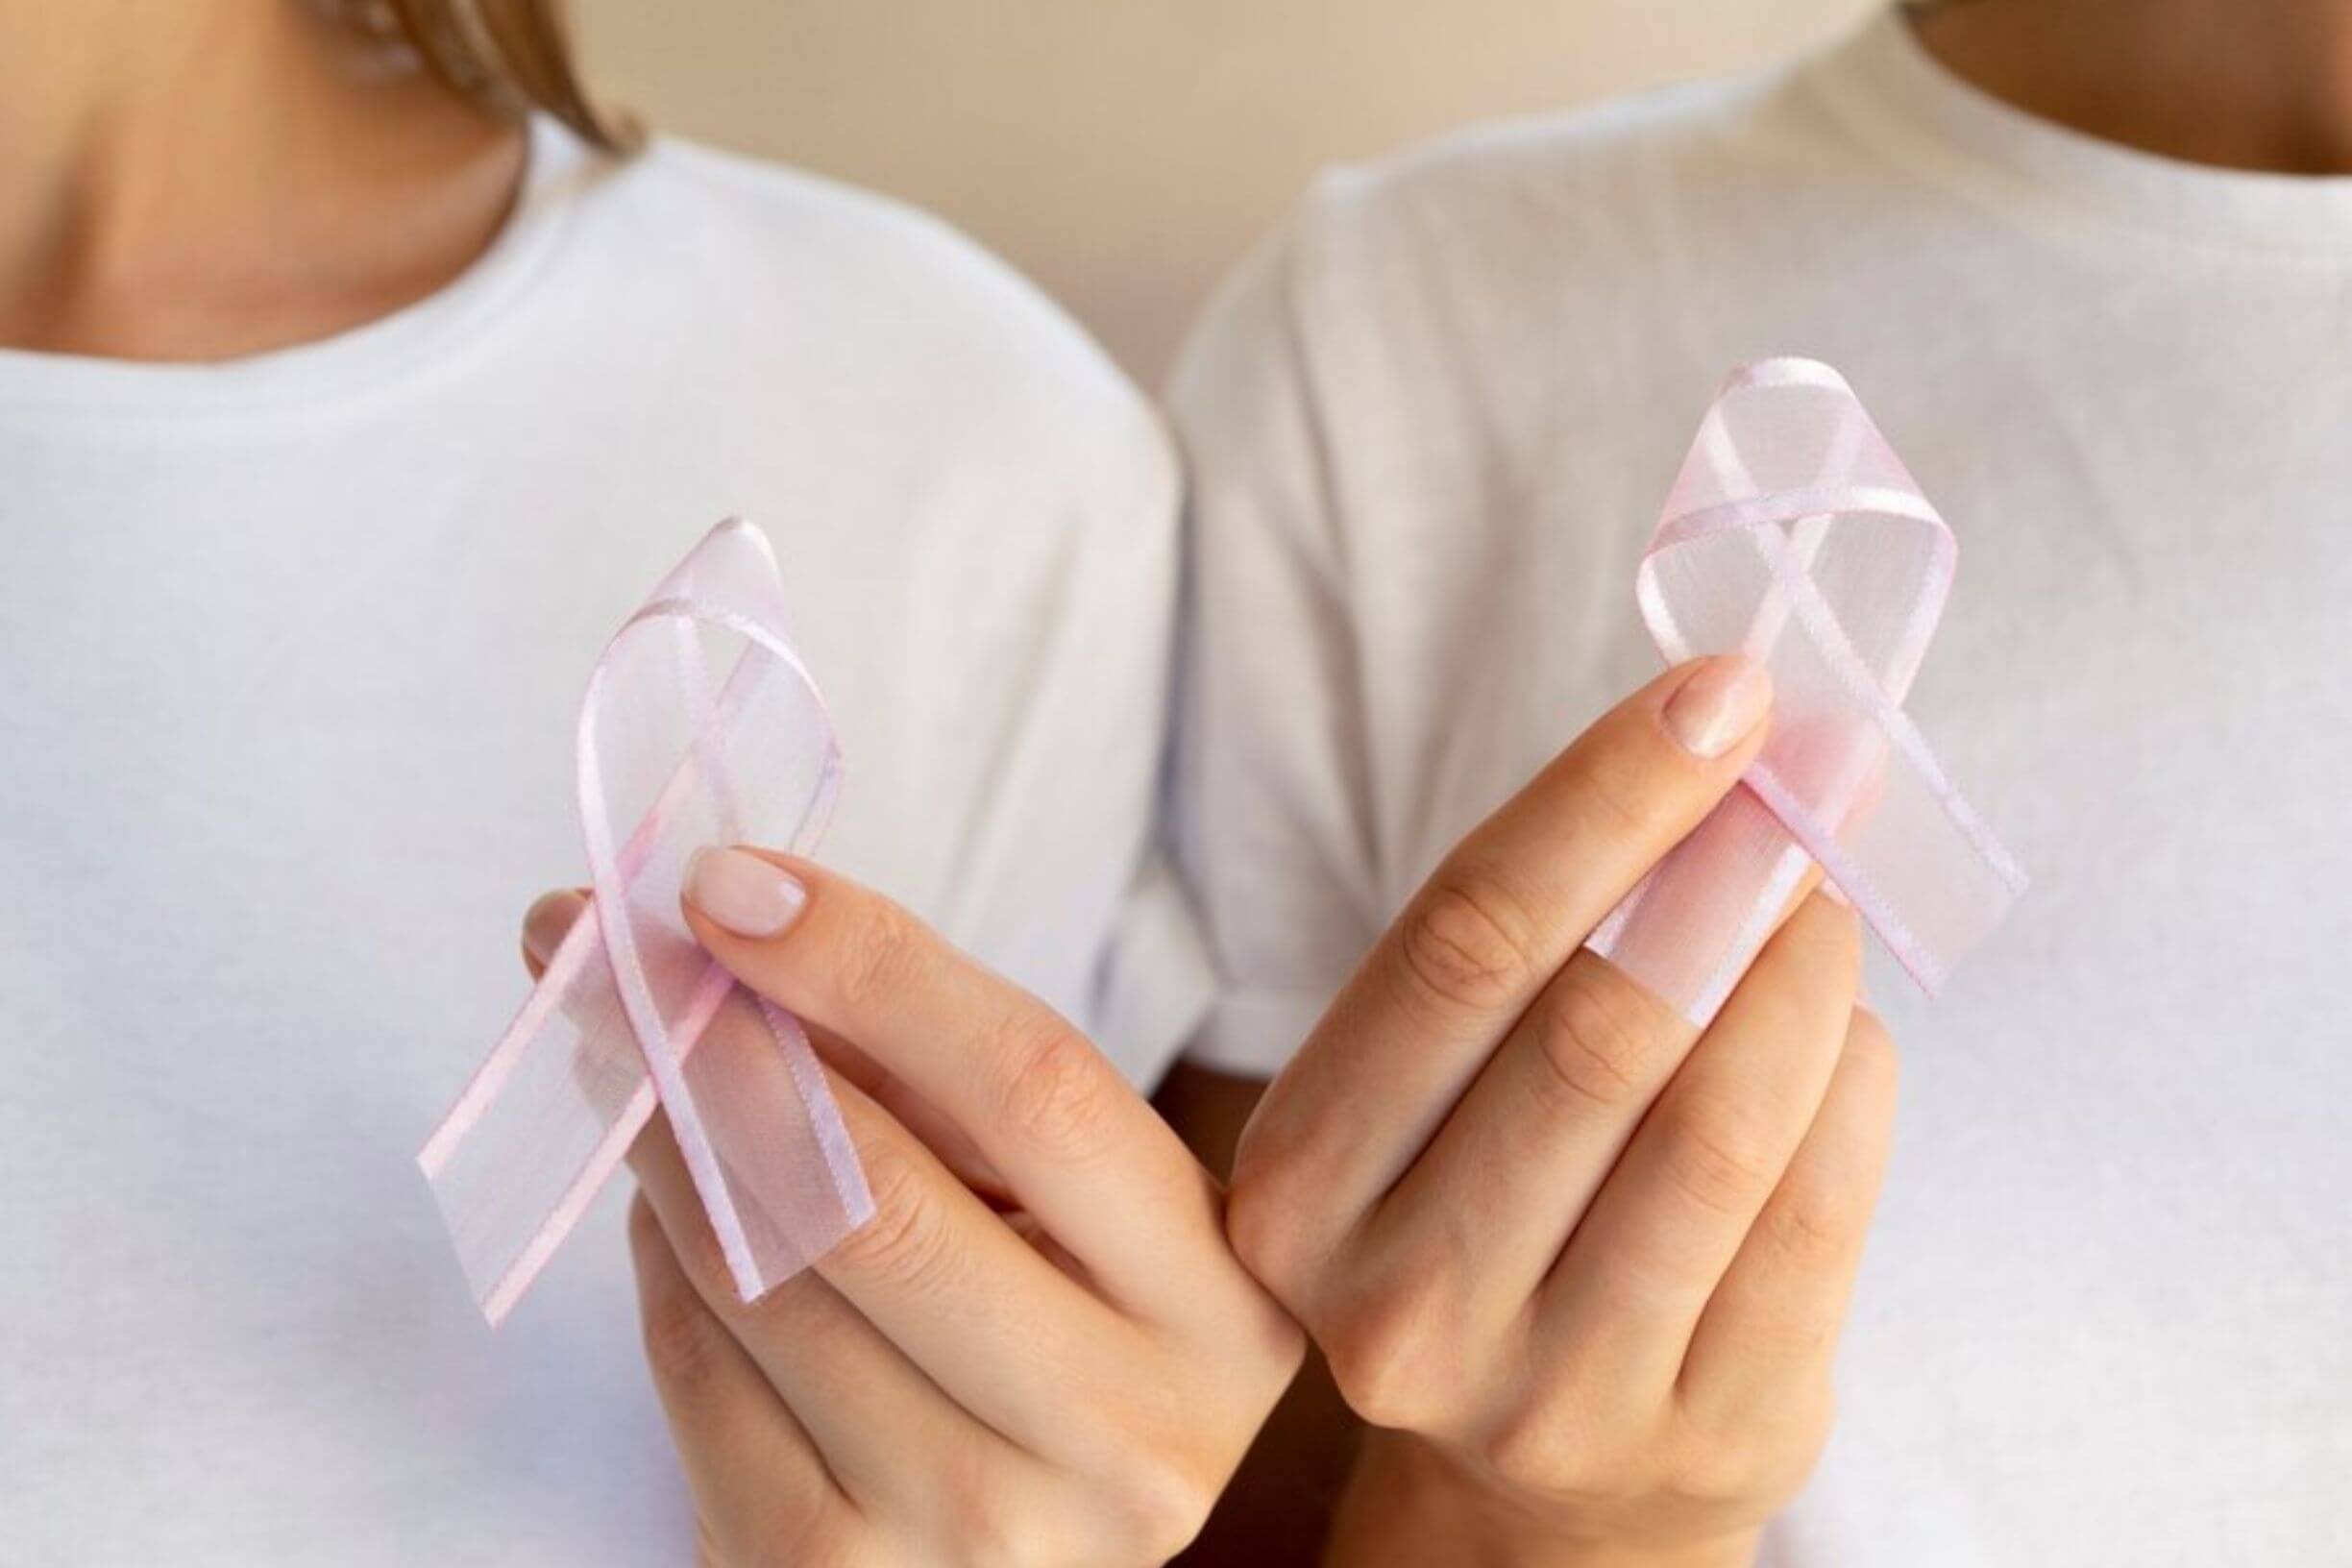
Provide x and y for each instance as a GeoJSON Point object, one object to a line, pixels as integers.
{"type": "Point", "coordinates": [1382, 1352]}
{"type": "Point", "coordinates": [1753, 1455]}
{"type": "Point", "coordinates": [875, 955]}
{"type": "Point", "coordinates": [1058, 1092]}
{"type": "Point", "coordinates": [1750, 1473]}
{"type": "Point", "coordinates": [1263, 1228]}
{"type": "Point", "coordinates": [1595, 1048]}
{"type": "Point", "coordinates": [698, 1257]}
{"type": "Point", "coordinates": [645, 1231]}
{"type": "Point", "coordinates": [1720, 1161]}
{"type": "Point", "coordinates": [1814, 963]}
{"type": "Point", "coordinates": [1871, 1052]}
{"type": "Point", "coordinates": [1376, 1385]}
{"type": "Point", "coordinates": [1628, 796]}
{"type": "Point", "coordinates": [1556, 1448]}
{"type": "Point", "coordinates": [705, 1264]}
{"type": "Point", "coordinates": [1812, 1228]}
{"type": "Point", "coordinates": [684, 1345]}
{"type": "Point", "coordinates": [1159, 1505]}
{"type": "Point", "coordinates": [1838, 931]}
{"type": "Point", "coordinates": [1801, 1439]}
{"type": "Point", "coordinates": [1465, 941]}
{"type": "Point", "coordinates": [1266, 1342]}
{"type": "Point", "coordinates": [1713, 1475]}
{"type": "Point", "coordinates": [1527, 1454]}
{"type": "Point", "coordinates": [905, 1245]}
{"type": "Point", "coordinates": [982, 1513]}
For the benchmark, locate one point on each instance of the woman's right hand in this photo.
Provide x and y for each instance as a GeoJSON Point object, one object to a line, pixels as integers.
{"type": "Point", "coordinates": [1582, 1264]}
{"type": "Point", "coordinates": [1038, 1350]}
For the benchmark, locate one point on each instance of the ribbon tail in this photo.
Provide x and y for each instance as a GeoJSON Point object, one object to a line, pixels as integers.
{"type": "Point", "coordinates": [542, 1125]}
{"type": "Point", "coordinates": [631, 1012]}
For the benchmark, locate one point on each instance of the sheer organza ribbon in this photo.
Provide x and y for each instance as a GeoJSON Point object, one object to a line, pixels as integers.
{"type": "Point", "coordinates": [700, 725]}
{"type": "Point", "coordinates": [1794, 534]}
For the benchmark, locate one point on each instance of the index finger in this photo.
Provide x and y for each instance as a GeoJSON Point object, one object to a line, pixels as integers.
{"type": "Point", "coordinates": [1081, 1149]}
{"type": "Point", "coordinates": [1489, 928]}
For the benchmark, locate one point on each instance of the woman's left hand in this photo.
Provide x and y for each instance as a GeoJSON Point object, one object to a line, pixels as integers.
{"type": "Point", "coordinates": [1040, 1350]}
{"type": "Point", "coordinates": [1581, 1260]}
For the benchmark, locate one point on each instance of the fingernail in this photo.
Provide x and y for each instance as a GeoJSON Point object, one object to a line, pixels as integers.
{"type": "Point", "coordinates": [549, 921]}
{"type": "Point", "coordinates": [750, 896]}
{"type": "Point", "coordinates": [1714, 710]}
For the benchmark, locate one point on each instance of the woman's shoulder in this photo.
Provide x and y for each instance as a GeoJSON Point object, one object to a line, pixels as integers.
{"type": "Point", "coordinates": [1670, 152]}
{"type": "Point", "coordinates": [797, 215]}
{"type": "Point", "coordinates": [1477, 241]}
{"type": "Point", "coordinates": [755, 246]}
{"type": "Point", "coordinates": [854, 310]}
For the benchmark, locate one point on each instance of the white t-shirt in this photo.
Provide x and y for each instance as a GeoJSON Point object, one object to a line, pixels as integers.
{"type": "Point", "coordinates": [292, 651]}
{"type": "Point", "coordinates": [2105, 1318]}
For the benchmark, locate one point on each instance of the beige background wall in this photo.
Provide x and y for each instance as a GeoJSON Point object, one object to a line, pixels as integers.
{"type": "Point", "coordinates": [1124, 152]}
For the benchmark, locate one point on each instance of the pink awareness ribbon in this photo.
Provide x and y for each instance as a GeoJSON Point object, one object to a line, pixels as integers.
{"type": "Point", "coordinates": [700, 725]}
{"type": "Point", "coordinates": [1795, 535]}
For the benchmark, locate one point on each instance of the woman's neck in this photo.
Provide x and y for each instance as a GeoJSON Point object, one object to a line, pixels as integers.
{"type": "Point", "coordinates": [2240, 84]}
{"type": "Point", "coordinates": [208, 178]}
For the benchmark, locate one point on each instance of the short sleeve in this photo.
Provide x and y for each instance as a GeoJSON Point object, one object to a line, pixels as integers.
{"type": "Point", "coordinates": [1271, 811]}
{"type": "Point", "coordinates": [1111, 696]}
{"type": "Point", "coordinates": [1070, 816]}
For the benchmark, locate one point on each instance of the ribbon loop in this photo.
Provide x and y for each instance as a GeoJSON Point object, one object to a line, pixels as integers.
{"type": "Point", "coordinates": [700, 725]}
{"type": "Point", "coordinates": [1795, 535]}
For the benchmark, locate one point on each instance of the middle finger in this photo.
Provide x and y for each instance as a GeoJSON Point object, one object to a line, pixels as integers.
{"type": "Point", "coordinates": [1638, 1270]}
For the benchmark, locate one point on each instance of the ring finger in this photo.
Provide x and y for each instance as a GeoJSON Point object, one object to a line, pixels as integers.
{"type": "Point", "coordinates": [1664, 1226]}
{"type": "Point", "coordinates": [754, 1470]}
{"type": "Point", "coordinates": [864, 1404]}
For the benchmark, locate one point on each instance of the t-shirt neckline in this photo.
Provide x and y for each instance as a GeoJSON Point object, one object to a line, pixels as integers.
{"type": "Point", "coordinates": [1910, 104]}
{"type": "Point", "coordinates": [373, 356]}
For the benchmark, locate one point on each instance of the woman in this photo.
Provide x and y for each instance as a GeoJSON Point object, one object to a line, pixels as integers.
{"type": "Point", "coordinates": [2085, 261]}
{"type": "Point", "coordinates": [345, 406]}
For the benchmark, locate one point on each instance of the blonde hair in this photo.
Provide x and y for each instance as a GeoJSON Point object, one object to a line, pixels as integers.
{"type": "Point", "coordinates": [512, 55]}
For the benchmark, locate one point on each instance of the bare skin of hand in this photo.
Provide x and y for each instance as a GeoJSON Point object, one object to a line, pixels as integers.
{"type": "Point", "coordinates": [1581, 1266]}
{"type": "Point", "coordinates": [1041, 1350]}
